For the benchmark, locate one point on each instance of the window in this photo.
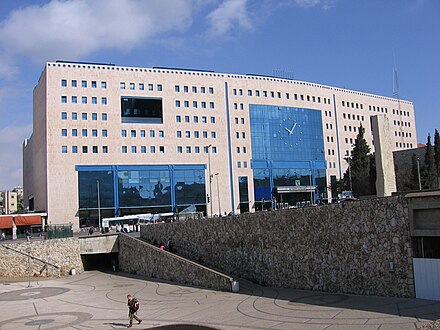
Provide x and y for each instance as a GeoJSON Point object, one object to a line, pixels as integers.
{"type": "Point", "coordinates": [238, 150]}
{"type": "Point", "coordinates": [94, 132]}
{"type": "Point", "coordinates": [133, 133]}
{"type": "Point", "coordinates": [186, 119]}
{"type": "Point", "coordinates": [242, 121]}
{"type": "Point", "coordinates": [104, 133]}
{"type": "Point", "coordinates": [177, 104]}
{"type": "Point", "coordinates": [104, 100]}
{"type": "Point", "coordinates": [235, 106]}
{"type": "Point", "coordinates": [63, 115]}
{"type": "Point", "coordinates": [243, 135]}
{"type": "Point", "coordinates": [187, 134]}
{"type": "Point", "coordinates": [249, 92]}
{"type": "Point", "coordinates": [272, 94]}
{"type": "Point", "coordinates": [194, 89]}
{"type": "Point", "coordinates": [161, 134]}
{"type": "Point", "coordinates": [211, 105]}
{"type": "Point", "coordinates": [196, 119]}
{"type": "Point", "coordinates": [178, 119]}
{"type": "Point", "coordinates": [85, 149]}
{"type": "Point", "coordinates": [74, 83]}
{"type": "Point", "coordinates": [152, 134]}
{"type": "Point", "coordinates": [265, 93]}
{"type": "Point", "coordinates": [194, 104]}
{"type": "Point", "coordinates": [205, 134]}
{"type": "Point", "coordinates": [203, 104]}
{"type": "Point", "coordinates": [124, 149]}
{"type": "Point", "coordinates": [84, 84]}
{"type": "Point", "coordinates": [240, 91]}
{"type": "Point", "coordinates": [213, 135]}
{"type": "Point", "coordinates": [132, 86]}
{"type": "Point", "coordinates": [245, 164]}
{"type": "Point", "coordinates": [185, 89]}
{"type": "Point", "coordinates": [244, 150]}
{"type": "Point", "coordinates": [103, 84]}
{"type": "Point", "coordinates": [74, 149]}
{"type": "Point", "coordinates": [104, 149]}
{"type": "Point", "coordinates": [214, 149]}
{"type": "Point", "coordinates": [143, 149]}
{"type": "Point", "coordinates": [64, 149]}
{"type": "Point", "coordinates": [122, 85]}
{"type": "Point", "coordinates": [84, 100]}
{"type": "Point", "coordinates": [179, 134]}
{"type": "Point", "coordinates": [63, 83]}
{"type": "Point", "coordinates": [74, 116]}
{"type": "Point", "coordinates": [133, 149]}
{"type": "Point", "coordinates": [186, 104]}
{"type": "Point", "coordinates": [238, 164]}
{"type": "Point", "coordinates": [142, 133]}
{"type": "Point", "coordinates": [150, 87]}
{"type": "Point", "coordinates": [74, 99]}
{"type": "Point", "coordinates": [104, 116]}
{"type": "Point", "coordinates": [63, 99]}
{"type": "Point", "coordinates": [64, 132]}
{"type": "Point", "coordinates": [196, 134]}
{"type": "Point", "coordinates": [84, 116]}
{"type": "Point", "coordinates": [211, 90]}
{"type": "Point", "coordinates": [179, 149]}
{"type": "Point", "coordinates": [212, 120]}
{"type": "Point", "coordinates": [95, 149]}
{"type": "Point", "coordinates": [197, 149]}
{"type": "Point", "coordinates": [74, 132]}
{"type": "Point", "coordinates": [159, 87]}
{"type": "Point", "coordinates": [93, 84]}
{"type": "Point", "coordinates": [188, 149]}
{"type": "Point", "coordinates": [94, 100]}
{"type": "Point", "coordinates": [257, 93]}
{"type": "Point", "coordinates": [237, 135]}
{"type": "Point", "coordinates": [152, 149]}
{"type": "Point", "coordinates": [202, 90]}
{"type": "Point", "coordinates": [162, 149]}
{"type": "Point", "coordinates": [203, 119]}
{"type": "Point", "coordinates": [84, 132]}
{"type": "Point", "coordinates": [141, 86]}
{"type": "Point", "coordinates": [124, 133]}
{"type": "Point", "coordinates": [177, 88]}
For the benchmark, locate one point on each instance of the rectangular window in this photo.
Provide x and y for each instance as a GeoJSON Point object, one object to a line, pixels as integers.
{"type": "Point", "coordinates": [161, 134]}
{"type": "Point", "coordinates": [74, 83]}
{"type": "Point", "coordinates": [74, 116]}
{"type": "Point", "coordinates": [132, 86]}
{"type": "Point", "coordinates": [103, 100]}
{"type": "Point", "coordinates": [124, 149]}
{"type": "Point", "coordinates": [133, 149]}
{"type": "Point", "coordinates": [205, 134]}
{"type": "Point", "coordinates": [84, 116]}
{"type": "Point", "coordinates": [204, 119]}
{"type": "Point", "coordinates": [124, 133]}
{"type": "Point", "coordinates": [203, 104]}
{"type": "Point", "coordinates": [152, 134]}
{"type": "Point", "coordinates": [143, 149]}
{"type": "Point", "coordinates": [104, 133]}
{"type": "Point", "coordinates": [179, 134]}
{"type": "Point", "coordinates": [141, 86]}
{"type": "Point", "coordinates": [74, 149]}
{"type": "Point", "coordinates": [133, 133]}
{"type": "Point", "coordinates": [211, 105]}
{"type": "Point", "coordinates": [63, 115]}
{"type": "Point", "coordinates": [93, 84]}
{"type": "Point", "coordinates": [63, 83]}
{"type": "Point", "coordinates": [265, 93]}
{"type": "Point", "coordinates": [177, 104]}
{"type": "Point", "coordinates": [186, 119]}
{"type": "Point", "coordinates": [103, 84]}
{"type": "Point", "coordinates": [212, 120]}
{"type": "Point", "coordinates": [214, 149]}
{"type": "Point", "coordinates": [150, 87]}
{"type": "Point", "coordinates": [64, 132]}
{"type": "Point", "coordinates": [74, 99]}
{"type": "Point", "coordinates": [84, 132]}
{"type": "Point", "coordinates": [104, 149]}
{"type": "Point", "coordinates": [178, 119]}
{"type": "Point", "coordinates": [196, 134]}
{"type": "Point", "coordinates": [94, 100]}
{"type": "Point", "coordinates": [188, 149]}
{"type": "Point", "coordinates": [196, 119]}
{"type": "Point", "coordinates": [64, 149]}
{"type": "Point", "coordinates": [194, 104]}
{"type": "Point", "coordinates": [179, 149]}
{"type": "Point", "coordinates": [142, 133]}
{"type": "Point", "coordinates": [63, 99]}
{"type": "Point", "coordinates": [249, 92]}
{"type": "Point", "coordinates": [187, 134]}
{"type": "Point", "coordinates": [185, 89]}
{"type": "Point", "coordinates": [197, 149]}
{"type": "Point", "coordinates": [186, 104]}
{"type": "Point", "coordinates": [159, 87]}
{"type": "Point", "coordinates": [211, 90]}
{"type": "Point", "coordinates": [257, 93]}
{"type": "Point", "coordinates": [202, 90]}
{"type": "Point", "coordinates": [74, 132]}
{"type": "Point", "coordinates": [122, 85]}
{"type": "Point", "coordinates": [94, 116]}
{"type": "Point", "coordinates": [85, 149]}
{"type": "Point", "coordinates": [152, 149]}
{"type": "Point", "coordinates": [84, 84]}
{"type": "Point", "coordinates": [95, 149]}
{"type": "Point", "coordinates": [141, 110]}
{"type": "Point", "coordinates": [84, 100]}
{"type": "Point", "coordinates": [104, 116]}
{"type": "Point", "coordinates": [177, 88]}
{"type": "Point", "coordinates": [213, 135]}
{"type": "Point", "coordinates": [162, 149]}
{"type": "Point", "coordinates": [194, 89]}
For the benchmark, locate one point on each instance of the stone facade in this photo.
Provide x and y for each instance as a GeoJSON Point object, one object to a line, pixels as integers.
{"type": "Point", "coordinates": [360, 247]}
{"type": "Point", "coordinates": [46, 258]}
{"type": "Point", "coordinates": [137, 257]}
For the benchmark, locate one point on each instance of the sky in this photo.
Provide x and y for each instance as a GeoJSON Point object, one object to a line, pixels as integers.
{"type": "Point", "coordinates": [354, 44]}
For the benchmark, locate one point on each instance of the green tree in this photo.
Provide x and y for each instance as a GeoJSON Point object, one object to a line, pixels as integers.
{"type": "Point", "coordinates": [359, 165]}
{"type": "Point", "coordinates": [429, 169]}
{"type": "Point", "coordinates": [437, 155]}
{"type": "Point", "coordinates": [415, 168]}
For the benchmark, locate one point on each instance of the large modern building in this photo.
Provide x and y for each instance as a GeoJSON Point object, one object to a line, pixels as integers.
{"type": "Point", "coordinates": [113, 140]}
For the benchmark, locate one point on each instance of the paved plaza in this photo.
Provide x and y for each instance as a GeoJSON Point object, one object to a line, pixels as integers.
{"type": "Point", "coordinates": [96, 300]}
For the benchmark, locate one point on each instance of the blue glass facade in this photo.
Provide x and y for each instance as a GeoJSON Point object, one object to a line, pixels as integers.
{"type": "Point", "coordinates": [131, 189]}
{"type": "Point", "coordinates": [287, 151]}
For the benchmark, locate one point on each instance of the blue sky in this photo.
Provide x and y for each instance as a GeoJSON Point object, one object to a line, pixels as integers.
{"type": "Point", "coordinates": [354, 44]}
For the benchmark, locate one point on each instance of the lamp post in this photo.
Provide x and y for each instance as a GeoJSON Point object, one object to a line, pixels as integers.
{"type": "Point", "coordinates": [349, 174]}
{"type": "Point", "coordinates": [311, 191]}
{"type": "Point", "coordinates": [218, 196]}
{"type": "Point", "coordinates": [418, 173]}
{"type": "Point", "coordinates": [210, 176]}
{"type": "Point", "coordinates": [99, 205]}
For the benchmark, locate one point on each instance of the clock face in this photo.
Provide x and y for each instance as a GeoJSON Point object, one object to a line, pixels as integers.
{"type": "Point", "coordinates": [290, 131]}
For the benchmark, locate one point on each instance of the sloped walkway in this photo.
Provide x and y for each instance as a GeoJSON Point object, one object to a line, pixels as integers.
{"type": "Point", "coordinates": [95, 300]}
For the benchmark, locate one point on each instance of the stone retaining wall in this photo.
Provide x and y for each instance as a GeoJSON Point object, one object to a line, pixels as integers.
{"type": "Point", "coordinates": [38, 258]}
{"type": "Point", "coordinates": [345, 247]}
{"type": "Point", "coordinates": [137, 257]}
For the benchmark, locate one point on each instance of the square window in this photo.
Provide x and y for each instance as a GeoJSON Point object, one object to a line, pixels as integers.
{"type": "Point", "coordinates": [74, 99]}
{"type": "Point", "coordinates": [64, 149]}
{"type": "Point", "coordinates": [74, 83]}
{"type": "Point", "coordinates": [74, 149]}
{"type": "Point", "coordinates": [150, 87]}
{"type": "Point", "coordinates": [84, 84]}
{"type": "Point", "coordinates": [93, 84]}
{"type": "Point", "coordinates": [85, 150]}
{"type": "Point", "coordinates": [63, 83]}
{"type": "Point", "coordinates": [64, 132]}
{"type": "Point", "coordinates": [63, 115]}
{"type": "Point", "coordinates": [141, 86]}
{"type": "Point", "coordinates": [133, 133]}
{"type": "Point", "coordinates": [84, 116]}
{"type": "Point", "coordinates": [63, 99]}
{"type": "Point", "coordinates": [188, 149]}
{"type": "Point", "coordinates": [94, 100]}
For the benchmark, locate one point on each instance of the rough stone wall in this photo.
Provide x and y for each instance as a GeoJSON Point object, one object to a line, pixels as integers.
{"type": "Point", "coordinates": [137, 257]}
{"type": "Point", "coordinates": [23, 259]}
{"type": "Point", "coordinates": [343, 247]}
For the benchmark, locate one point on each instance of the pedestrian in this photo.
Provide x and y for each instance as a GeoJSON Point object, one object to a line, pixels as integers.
{"type": "Point", "coordinates": [91, 230]}
{"type": "Point", "coordinates": [170, 245]}
{"type": "Point", "coordinates": [133, 306]}
{"type": "Point", "coordinates": [28, 235]}
{"type": "Point", "coordinates": [162, 246]}
{"type": "Point", "coordinates": [3, 236]}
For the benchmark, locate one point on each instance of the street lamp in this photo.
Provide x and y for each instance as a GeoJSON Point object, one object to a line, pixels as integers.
{"type": "Point", "coordinates": [311, 191]}
{"type": "Point", "coordinates": [218, 196]}
{"type": "Point", "coordinates": [418, 173]}
{"type": "Point", "coordinates": [210, 176]}
{"type": "Point", "coordinates": [99, 205]}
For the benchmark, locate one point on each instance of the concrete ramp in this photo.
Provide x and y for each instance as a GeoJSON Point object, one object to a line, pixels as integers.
{"type": "Point", "coordinates": [141, 258]}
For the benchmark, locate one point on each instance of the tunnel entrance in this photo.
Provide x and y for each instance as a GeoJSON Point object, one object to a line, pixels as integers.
{"type": "Point", "coordinates": [100, 261]}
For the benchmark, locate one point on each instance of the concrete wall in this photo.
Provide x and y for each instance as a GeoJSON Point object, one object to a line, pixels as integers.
{"type": "Point", "coordinates": [99, 244]}
{"type": "Point", "coordinates": [23, 259]}
{"type": "Point", "coordinates": [137, 257]}
{"type": "Point", "coordinates": [344, 247]}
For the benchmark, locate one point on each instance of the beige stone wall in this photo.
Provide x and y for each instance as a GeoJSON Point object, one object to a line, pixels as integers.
{"type": "Point", "coordinates": [23, 259]}
{"type": "Point", "coordinates": [334, 248]}
{"type": "Point", "coordinates": [137, 257]}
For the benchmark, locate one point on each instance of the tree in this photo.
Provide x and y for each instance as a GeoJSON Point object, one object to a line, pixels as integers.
{"type": "Point", "coordinates": [437, 155]}
{"type": "Point", "coordinates": [429, 168]}
{"type": "Point", "coordinates": [415, 169]}
{"type": "Point", "coordinates": [359, 165]}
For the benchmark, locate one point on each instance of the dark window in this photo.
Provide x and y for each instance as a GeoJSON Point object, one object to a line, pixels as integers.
{"type": "Point", "coordinates": [141, 110]}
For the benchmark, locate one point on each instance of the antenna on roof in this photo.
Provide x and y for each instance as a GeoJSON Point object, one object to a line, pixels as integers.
{"type": "Point", "coordinates": [399, 110]}
{"type": "Point", "coordinates": [283, 74]}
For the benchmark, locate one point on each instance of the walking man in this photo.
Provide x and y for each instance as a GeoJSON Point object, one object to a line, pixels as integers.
{"type": "Point", "coordinates": [133, 306]}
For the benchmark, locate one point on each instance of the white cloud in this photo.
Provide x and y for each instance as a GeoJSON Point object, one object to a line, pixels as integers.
{"type": "Point", "coordinates": [72, 29]}
{"type": "Point", "coordinates": [227, 16]}
{"type": "Point", "coordinates": [324, 4]}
